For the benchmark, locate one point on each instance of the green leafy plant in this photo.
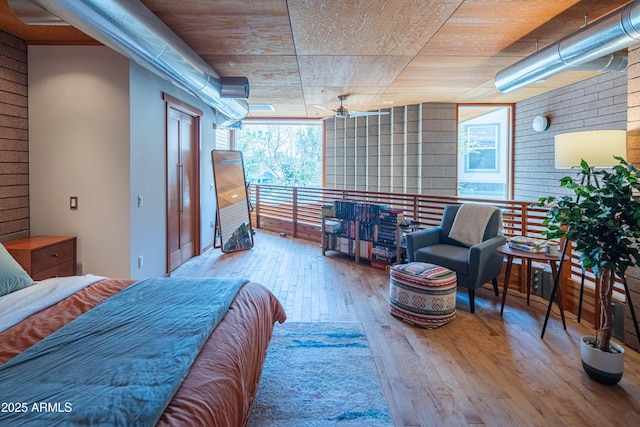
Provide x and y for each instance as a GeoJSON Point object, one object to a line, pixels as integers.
{"type": "Point", "coordinates": [603, 219]}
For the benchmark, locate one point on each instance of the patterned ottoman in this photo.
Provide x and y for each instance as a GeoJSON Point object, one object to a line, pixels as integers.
{"type": "Point", "coordinates": [422, 294]}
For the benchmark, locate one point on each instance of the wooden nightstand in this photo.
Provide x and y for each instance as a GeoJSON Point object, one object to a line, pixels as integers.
{"type": "Point", "coordinates": [45, 256]}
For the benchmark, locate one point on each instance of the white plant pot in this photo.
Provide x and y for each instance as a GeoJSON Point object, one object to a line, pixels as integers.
{"type": "Point", "coordinates": [602, 366]}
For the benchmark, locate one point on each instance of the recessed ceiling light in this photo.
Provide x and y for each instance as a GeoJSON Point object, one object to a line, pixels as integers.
{"type": "Point", "coordinates": [387, 102]}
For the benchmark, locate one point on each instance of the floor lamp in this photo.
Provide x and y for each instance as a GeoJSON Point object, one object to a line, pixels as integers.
{"type": "Point", "coordinates": [598, 148]}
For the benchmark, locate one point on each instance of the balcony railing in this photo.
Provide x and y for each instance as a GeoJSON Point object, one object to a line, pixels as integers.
{"type": "Point", "coordinates": [296, 211]}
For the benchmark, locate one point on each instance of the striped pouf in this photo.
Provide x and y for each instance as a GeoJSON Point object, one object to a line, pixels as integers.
{"type": "Point", "coordinates": [422, 294]}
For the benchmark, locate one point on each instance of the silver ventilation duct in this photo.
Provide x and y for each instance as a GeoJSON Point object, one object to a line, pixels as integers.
{"type": "Point", "coordinates": [32, 14]}
{"type": "Point", "coordinates": [590, 48]}
{"type": "Point", "coordinates": [130, 28]}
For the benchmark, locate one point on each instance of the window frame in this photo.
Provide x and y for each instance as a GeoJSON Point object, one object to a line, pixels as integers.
{"type": "Point", "coordinates": [504, 144]}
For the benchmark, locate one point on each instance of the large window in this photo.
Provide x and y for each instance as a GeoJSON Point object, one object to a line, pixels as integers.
{"type": "Point", "coordinates": [484, 151]}
{"type": "Point", "coordinates": [284, 153]}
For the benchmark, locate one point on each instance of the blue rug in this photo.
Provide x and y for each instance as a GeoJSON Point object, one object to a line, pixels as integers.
{"type": "Point", "coordinates": [319, 374]}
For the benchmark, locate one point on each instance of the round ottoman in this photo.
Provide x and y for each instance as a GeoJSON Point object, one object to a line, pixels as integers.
{"type": "Point", "coordinates": [422, 294]}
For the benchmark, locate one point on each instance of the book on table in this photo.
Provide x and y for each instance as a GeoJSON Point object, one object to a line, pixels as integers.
{"type": "Point", "coordinates": [527, 244]}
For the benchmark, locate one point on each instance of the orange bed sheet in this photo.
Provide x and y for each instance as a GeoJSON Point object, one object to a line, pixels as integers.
{"type": "Point", "coordinates": [223, 380]}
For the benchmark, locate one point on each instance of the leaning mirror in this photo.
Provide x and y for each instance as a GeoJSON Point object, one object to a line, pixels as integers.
{"type": "Point", "coordinates": [232, 214]}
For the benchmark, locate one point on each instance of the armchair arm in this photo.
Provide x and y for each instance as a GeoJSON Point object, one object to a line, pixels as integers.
{"type": "Point", "coordinates": [481, 253]}
{"type": "Point", "coordinates": [422, 238]}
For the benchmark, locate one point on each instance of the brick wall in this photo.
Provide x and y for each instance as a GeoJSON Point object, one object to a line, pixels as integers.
{"type": "Point", "coordinates": [14, 139]}
{"type": "Point", "coordinates": [412, 150]}
{"type": "Point", "coordinates": [594, 104]}
{"type": "Point", "coordinates": [633, 281]}
{"type": "Point", "coordinates": [633, 156]}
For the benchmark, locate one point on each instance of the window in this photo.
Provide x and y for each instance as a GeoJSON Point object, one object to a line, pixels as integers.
{"type": "Point", "coordinates": [282, 153]}
{"type": "Point", "coordinates": [484, 151]}
{"type": "Point", "coordinates": [482, 154]}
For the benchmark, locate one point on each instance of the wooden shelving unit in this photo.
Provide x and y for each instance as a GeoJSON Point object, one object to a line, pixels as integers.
{"type": "Point", "coordinates": [366, 227]}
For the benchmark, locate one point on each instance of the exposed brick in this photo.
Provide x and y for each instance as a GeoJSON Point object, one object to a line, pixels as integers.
{"type": "Point", "coordinates": [597, 103]}
{"type": "Point", "coordinates": [14, 133]}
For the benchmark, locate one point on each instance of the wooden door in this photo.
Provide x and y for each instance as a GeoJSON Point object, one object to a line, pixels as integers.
{"type": "Point", "coordinates": [181, 187]}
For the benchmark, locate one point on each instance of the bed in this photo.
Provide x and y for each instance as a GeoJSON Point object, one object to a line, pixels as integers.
{"type": "Point", "coordinates": [217, 388]}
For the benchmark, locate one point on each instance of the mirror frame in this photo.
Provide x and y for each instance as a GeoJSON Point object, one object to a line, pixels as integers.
{"type": "Point", "coordinates": [233, 217]}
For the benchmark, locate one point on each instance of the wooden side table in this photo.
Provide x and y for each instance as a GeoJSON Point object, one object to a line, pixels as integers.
{"type": "Point", "coordinates": [44, 257]}
{"type": "Point", "coordinates": [527, 258]}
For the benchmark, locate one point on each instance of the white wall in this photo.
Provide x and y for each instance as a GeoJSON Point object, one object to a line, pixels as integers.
{"type": "Point", "coordinates": [148, 170]}
{"type": "Point", "coordinates": [97, 127]}
{"type": "Point", "coordinates": [79, 146]}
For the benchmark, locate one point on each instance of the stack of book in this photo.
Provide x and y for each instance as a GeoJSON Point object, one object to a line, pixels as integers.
{"type": "Point", "coordinates": [391, 216]}
{"type": "Point", "coordinates": [386, 235]}
{"type": "Point", "coordinates": [384, 253]}
{"type": "Point", "coordinates": [332, 226]}
{"type": "Point", "coordinates": [380, 265]}
{"type": "Point", "coordinates": [328, 210]}
{"type": "Point", "coordinates": [528, 244]}
{"type": "Point", "coordinates": [389, 220]}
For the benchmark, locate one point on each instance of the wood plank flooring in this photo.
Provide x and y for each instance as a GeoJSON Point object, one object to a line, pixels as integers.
{"type": "Point", "coordinates": [480, 369]}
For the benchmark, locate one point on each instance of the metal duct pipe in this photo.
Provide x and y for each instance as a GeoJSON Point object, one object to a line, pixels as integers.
{"type": "Point", "coordinates": [32, 14]}
{"type": "Point", "coordinates": [133, 30]}
{"type": "Point", "coordinates": [613, 32]}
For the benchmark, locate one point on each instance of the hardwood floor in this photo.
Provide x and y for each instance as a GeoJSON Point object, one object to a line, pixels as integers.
{"type": "Point", "coordinates": [480, 369]}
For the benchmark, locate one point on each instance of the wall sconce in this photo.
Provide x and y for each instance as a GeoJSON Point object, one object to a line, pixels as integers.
{"type": "Point", "coordinates": [540, 123]}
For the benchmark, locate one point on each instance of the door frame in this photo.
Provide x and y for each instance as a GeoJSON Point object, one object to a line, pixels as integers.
{"type": "Point", "coordinates": [196, 113]}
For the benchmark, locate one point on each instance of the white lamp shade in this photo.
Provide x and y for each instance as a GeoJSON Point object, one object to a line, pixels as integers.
{"type": "Point", "coordinates": [596, 147]}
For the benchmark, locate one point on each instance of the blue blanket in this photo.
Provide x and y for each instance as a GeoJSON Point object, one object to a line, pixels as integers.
{"type": "Point", "coordinates": [121, 362]}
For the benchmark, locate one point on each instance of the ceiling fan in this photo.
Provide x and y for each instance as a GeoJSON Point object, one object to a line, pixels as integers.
{"type": "Point", "coordinates": [342, 112]}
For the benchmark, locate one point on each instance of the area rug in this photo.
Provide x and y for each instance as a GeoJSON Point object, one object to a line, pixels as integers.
{"type": "Point", "coordinates": [319, 374]}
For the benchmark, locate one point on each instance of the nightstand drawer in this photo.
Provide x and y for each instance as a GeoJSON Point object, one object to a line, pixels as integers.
{"type": "Point", "coordinates": [61, 270]}
{"type": "Point", "coordinates": [51, 256]}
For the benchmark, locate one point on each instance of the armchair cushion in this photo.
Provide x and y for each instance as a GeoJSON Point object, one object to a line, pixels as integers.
{"type": "Point", "coordinates": [454, 258]}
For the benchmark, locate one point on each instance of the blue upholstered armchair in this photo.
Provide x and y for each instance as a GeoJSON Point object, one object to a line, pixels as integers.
{"type": "Point", "coordinates": [474, 264]}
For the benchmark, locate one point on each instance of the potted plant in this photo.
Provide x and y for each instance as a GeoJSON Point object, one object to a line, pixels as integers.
{"type": "Point", "coordinates": [603, 219]}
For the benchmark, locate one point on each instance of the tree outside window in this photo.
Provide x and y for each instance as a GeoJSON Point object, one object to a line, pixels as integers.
{"type": "Point", "coordinates": [282, 154]}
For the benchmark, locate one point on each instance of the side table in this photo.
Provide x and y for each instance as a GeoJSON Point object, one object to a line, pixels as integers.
{"type": "Point", "coordinates": [43, 257]}
{"type": "Point", "coordinates": [527, 258]}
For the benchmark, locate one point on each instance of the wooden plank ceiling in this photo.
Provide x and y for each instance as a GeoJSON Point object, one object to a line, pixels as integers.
{"type": "Point", "coordinates": [301, 53]}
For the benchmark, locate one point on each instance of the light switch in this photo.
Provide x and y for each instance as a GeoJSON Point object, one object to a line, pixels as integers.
{"type": "Point", "coordinates": [140, 201]}
{"type": "Point", "coordinates": [73, 203]}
